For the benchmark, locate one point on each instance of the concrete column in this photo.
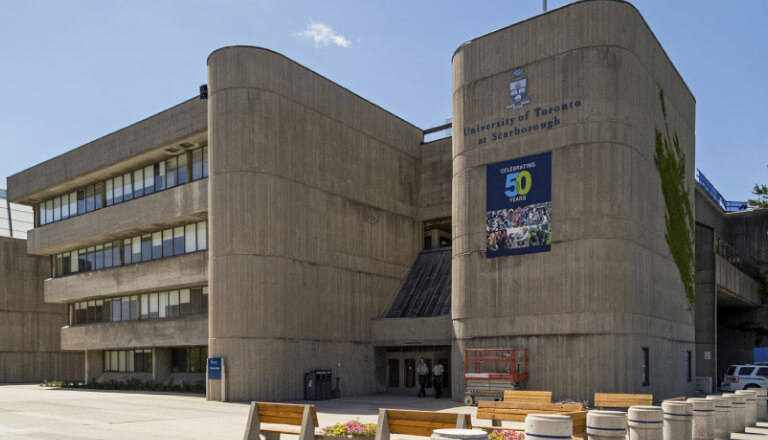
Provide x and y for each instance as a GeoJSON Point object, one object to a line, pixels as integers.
{"type": "Point", "coordinates": [762, 395]}
{"type": "Point", "coordinates": [94, 365]}
{"type": "Point", "coordinates": [645, 423]}
{"type": "Point", "coordinates": [678, 420]}
{"type": "Point", "coordinates": [161, 365]}
{"type": "Point", "coordinates": [606, 425]}
{"type": "Point", "coordinates": [703, 419]}
{"type": "Point", "coordinates": [739, 404]}
{"type": "Point", "coordinates": [750, 413]}
{"type": "Point", "coordinates": [548, 426]}
{"type": "Point", "coordinates": [723, 415]}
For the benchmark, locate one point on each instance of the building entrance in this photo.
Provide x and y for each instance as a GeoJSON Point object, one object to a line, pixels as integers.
{"type": "Point", "coordinates": [401, 369]}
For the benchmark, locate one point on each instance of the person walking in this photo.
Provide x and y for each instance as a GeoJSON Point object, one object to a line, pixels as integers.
{"type": "Point", "coordinates": [437, 379]}
{"type": "Point", "coordinates": [422, 370]}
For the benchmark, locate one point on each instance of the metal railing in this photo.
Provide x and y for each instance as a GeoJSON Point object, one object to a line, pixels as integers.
{"type": "Point", "coordinates": [727, 205]}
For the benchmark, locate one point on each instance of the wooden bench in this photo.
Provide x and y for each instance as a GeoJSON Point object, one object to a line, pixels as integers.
{"type": "Point", "coordinates": [417, 423]}
{"type": "Point", "coordinates": [608, 400]}
{"type": "Point", "coordinates": [301, 421]}
{"type": "Point", "coordinates": [675, 399]}
{"type": "Point", "coordinates": [513, 411]}
{"type": "Point", "coordinates": [528, 396]}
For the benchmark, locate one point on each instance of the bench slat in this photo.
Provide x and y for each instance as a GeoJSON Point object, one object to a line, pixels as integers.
{"type": "Point", "coordinates": [609, 400]}
{"type": "Point", "coordinates": [528, 396]}
{"type": "Point", "coordinates": [529, 405]}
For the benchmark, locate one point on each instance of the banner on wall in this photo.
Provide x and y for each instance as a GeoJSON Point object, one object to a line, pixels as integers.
{"type": "Point", "coordinates": [519, 206]}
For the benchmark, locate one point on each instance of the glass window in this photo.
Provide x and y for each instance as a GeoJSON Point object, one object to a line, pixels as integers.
{"type": "Point", "coordinates": [127, 187]}
{"type": "Point", "coordinates": [136, 245]}
{"type": "Point", "coordinates": [57, 209]}
{"type": "Point", "coordinates": [645, 367]}
{"type": "Point", "coordinates": [181, 173]}
{"type": "Point", "coordinates": [409, 372]}
{"type": "Point", "coordinates": [90, 258]}
{"type": "Point", "coordinates": [121, 360]}
{"type": "Point", "coordinates": [110, 193]}
{"type": "Point", "coordinates": [81, 202]}
{"type": "Point", "coordinates": [134, 303]}
{"type": "Point", "coordinates": [149, 179]}
{"type": "Point", "coordinates": [49, 211]}
{"type": "Point", "coordinates": [73, 204]}
{"type": "Point", "coordinates": [746, 371]}
{"type": "Point", "coordinates": [127, 251]}
{"type": "Point", "coordinates": [125, 307]}
{"type": "Point", "coordinates": [113, 360]}
{"type": "Point", "coordinates": [116, 253]}
{"type": "Point", "coordinates": [184, 302]}
{"type": "Point", "coordinates": [197, 164]}
{"type": "Point", "coordinates": [146, 247]}
{"type": "Point", "coordinates": [108, 258]}
{"type": "Point", "coordinates": [157, 245]}
{"type": "Point", "coordinates": [65, 206]}
{"type": "Point", "coordinates": [106, 361]}
{"type": "Point", "coordinates": [144, 306]}
{"type": "Point", "coordinates": [202, 237]}
{"type": "Point", "coordinates": [100, 310]}
{"type": "Point", "coordinates": [153, 306]}
{"type": "Point", "coordinates": [168, 243]}
{"type": "Point", "coordinates": [97, 195]}
{"type": "Point", "coordinates": [116, 307]}
{"type": "Point", "coordinates": [75, 259]}
{"type": "Point", "coordinates": [82, 260]}
{"type": "Point", "coordinates": [173, 303]}
{"type": "Point", "coordinates": [205, 161]}
{"type": "Point", "coordinates": [189, 238]}
{"type": "Point", "coordinates": [178, 240]}
{"type": "Point", "coordinates": [90, 202]}
{"type": "Point", "coordinates": [91, 314]}
{"type": "Point", "coordinates": [160, 176]}
{"type": "Point", "coordinates": [41, 212]}
{"type": "Point", "coordinates": [59, 265]}
{"type": "Point", "coordinates": [205, 299]}
{"type": "Point", "coordinates": [170, 172]}
{"type": "Point", "coordinates": [163, 304]}
{"type": "Point", "coordinates": [762, 372]}
{"type": "Point", "coordinates": [99, 257]}
{"type": "Point", "coordinates": [118, 189]}
{"type": "Point", "coordinates": [129, 361]}
{"type": "Point", "coordinates": [195, 300]}
{"type": "Point", "coordinates": [138, 183]}
{"type": "Point", "coordinates": [688, 366]}
{"type": "Point", "coordinates": [66, 263]}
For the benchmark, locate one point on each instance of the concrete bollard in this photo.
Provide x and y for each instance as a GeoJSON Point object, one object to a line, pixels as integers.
{"type": "Point", "coordinates": [739, 404]}
{"type": "Point", "coordinates": [750, 413]}
{"type": "Point", "coordinates": [723, 416]}
{"type": "Point", "coordinates": [548, 426]}
{"type": "Point", "coordinates": [606, 425]}
{"type": "Point", "coordinates": [703, 419]}
{"type": "Point", "coordinates": [762, 395]}
{"type": "Point", "coordinates": [646, 423]}
{"type": "Point", "coordinates": [678, 420]}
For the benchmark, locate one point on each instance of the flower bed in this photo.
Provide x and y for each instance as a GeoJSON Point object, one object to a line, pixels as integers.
{"type": "Point", "coordinates": [352, 428]}
{"type": "Point", "coordinates": [506, 434]}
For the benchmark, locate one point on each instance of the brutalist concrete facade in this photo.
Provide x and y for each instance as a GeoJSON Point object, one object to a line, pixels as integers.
{"type": "Point", "coordinates": [609, 286]}
{"type": "Point", "coordinates": [317, 204]}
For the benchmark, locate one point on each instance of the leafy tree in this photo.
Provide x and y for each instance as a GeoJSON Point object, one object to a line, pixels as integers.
{"type": "Point", "coordinates": [761, 191]}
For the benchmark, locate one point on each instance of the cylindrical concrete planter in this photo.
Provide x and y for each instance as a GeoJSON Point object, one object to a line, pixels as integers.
{"type": "Point", "coordinates": [703, 419]}
{"type": "Point", "coordinates": [678, 420]}
{"type": "Point", "coordinates": [606, 425]}
{"type": "Point", "coordinates": [723, 416]}
{"type": "Point", "coordinates": [762, 395]}
{"type": "Point", "coordinates": [459, 434]}
{"type": "Point", "coordinates": [646, 423]}
{"type": "Point", "coordinates": [750, 413]}
{"type": "Point", "coordinates": [547, 426]}
{"type": "Point", "coordinates": [739, 404]}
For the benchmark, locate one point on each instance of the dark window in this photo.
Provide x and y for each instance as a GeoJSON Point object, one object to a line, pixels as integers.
{"type": "Point", "coordinates": [127, 187]}
{"type": "Point", "coordinates": [146, 247]}
{"type": "Point", "coordinates": [97, 195]}
{"type": "Point", "coordinates": [125, 306]}
{"type": "Point", "coordinates": [157, 245]}
{"type": "Point", "coordinates": [181, 172]}
{"type": "Point", "coordinates": [116, 306]}
{"type": "Point", "coordinates": [168, 243]}
{"type": "Point", "coordinates": [116, 253]}
{"type": "Point", "coordinates": [197, 164]}
{"type": "Point", "coordinates": [90, 201]}
{"type": "Point", "coordinates": [189, 360]}
{"type": "Point", "coordinates": [108, 259]}
{"type": "Point", "coordinates": [393, 365]}
{"type": "Point", "coordinates": [746, 371]}
{"type": "Point", "coordinates": [195, 300]}
{"type": "Point", "coordinates": [81, 202]}
{"type": "Point", "coordinates": [178, 240]}
{"type": "Point", "coordinates": [730, 371]}
{"type": "Point", "coordinates": [645, 367]}
{"type": "Point", "coordinates": [90, 259]}
{"type": "Point", "coordinates": [409, 370]}
{"type": "Point", "coordinates": [205, 161]}
{"type": "Point", "coordinates": [762, 372]}
{"type": "Point", "coordinates": [99, 257]}
{"type": "Point", "coordinates": [688, 366]}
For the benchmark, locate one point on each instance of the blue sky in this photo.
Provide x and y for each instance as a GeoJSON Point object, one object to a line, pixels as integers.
{"type": "Point", "coordinates": [74, 71]}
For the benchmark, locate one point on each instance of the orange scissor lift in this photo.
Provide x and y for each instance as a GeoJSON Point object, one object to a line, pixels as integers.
{"type": "Point", "coordinates": [488, 372]}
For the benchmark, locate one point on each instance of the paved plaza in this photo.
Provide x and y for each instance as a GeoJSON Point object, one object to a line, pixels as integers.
{"type": "Point", "coordinates": [32, 412]}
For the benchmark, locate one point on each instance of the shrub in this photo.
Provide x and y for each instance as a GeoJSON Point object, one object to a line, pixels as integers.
{"type": "Point", "coordinates": [353, 428]}
{"type": "Point", "coordinates": [506, 434]}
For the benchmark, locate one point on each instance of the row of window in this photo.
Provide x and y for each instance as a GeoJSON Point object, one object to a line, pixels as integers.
{"type": "Point", "coordinates": [128, 361]}
{"type": "Point", "coordinates": [180, 240]}
{"type": "Point", "coordinates": [183, 360]}
{"type": "Point", "coordinates": [141, 182]}
{"type": "Point", "coordinates": [176, 303]}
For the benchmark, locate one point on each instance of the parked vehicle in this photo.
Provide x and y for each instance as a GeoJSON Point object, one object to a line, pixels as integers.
{"type": "Point", "coordinates": [741, 377]}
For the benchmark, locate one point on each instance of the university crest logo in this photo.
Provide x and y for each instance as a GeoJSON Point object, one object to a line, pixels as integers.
{"type": "Point", "coordinates": [517, 90]}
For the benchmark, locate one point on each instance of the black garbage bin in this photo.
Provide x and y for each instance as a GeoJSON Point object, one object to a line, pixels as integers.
{"type": "Point", "coordinates": [318, 385]}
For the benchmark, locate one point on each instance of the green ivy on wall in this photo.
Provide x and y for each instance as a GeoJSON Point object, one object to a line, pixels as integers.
{"type": "Point", "coordinates": [670, 163]}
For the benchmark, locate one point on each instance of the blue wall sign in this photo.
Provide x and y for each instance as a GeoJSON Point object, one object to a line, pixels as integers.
{"type": "Point", "coordinates": [519, 206]}
{"type": "Point", "coordinates": [214, 368]}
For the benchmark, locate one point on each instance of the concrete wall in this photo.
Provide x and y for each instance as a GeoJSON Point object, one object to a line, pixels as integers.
{"type": "Point", "coordinates": [609, 286]}
{"type": "Point", "coordinates": [395, 332]}
{"type": "Point", "coordinates": [435, 177]}
{"type": "Point", "coordinates": [183, 332]}
{"type": "Point", "coordinates": [29, 329]}
{"type": "Point", "coordinates": [313, 222]}
{"type": "Point", "coordinates": [168, 273]}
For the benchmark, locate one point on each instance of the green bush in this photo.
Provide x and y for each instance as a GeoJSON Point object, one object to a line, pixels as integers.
{"type": "Point", "coordinates": [129, 384]}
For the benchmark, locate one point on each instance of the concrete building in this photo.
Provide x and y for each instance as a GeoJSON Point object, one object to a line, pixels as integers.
{"type": "Point", "coordinates": [324, 232]}
{"type": "Point", "coordinates": [30, 329]}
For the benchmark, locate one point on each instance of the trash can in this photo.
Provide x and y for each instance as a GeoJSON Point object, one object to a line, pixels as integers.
{"type": "Point", "coordinates": [318, 385]}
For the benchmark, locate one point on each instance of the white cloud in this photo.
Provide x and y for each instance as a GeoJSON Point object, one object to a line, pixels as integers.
{"type": "Point", "coordinates": [322, 34]}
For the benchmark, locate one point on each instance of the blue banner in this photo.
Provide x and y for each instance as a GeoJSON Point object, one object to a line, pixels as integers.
{"type": "Point", "coordinates": [214, 368]}
{"type": "Point", "coordinates": [519, 206]}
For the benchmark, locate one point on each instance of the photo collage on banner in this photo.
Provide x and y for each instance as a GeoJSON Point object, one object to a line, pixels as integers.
{"type": "Point", "coordinates": [519, 206]}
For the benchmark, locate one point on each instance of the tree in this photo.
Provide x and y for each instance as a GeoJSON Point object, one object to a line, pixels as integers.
{"type": "Point", "coordinates": [761, 191]}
